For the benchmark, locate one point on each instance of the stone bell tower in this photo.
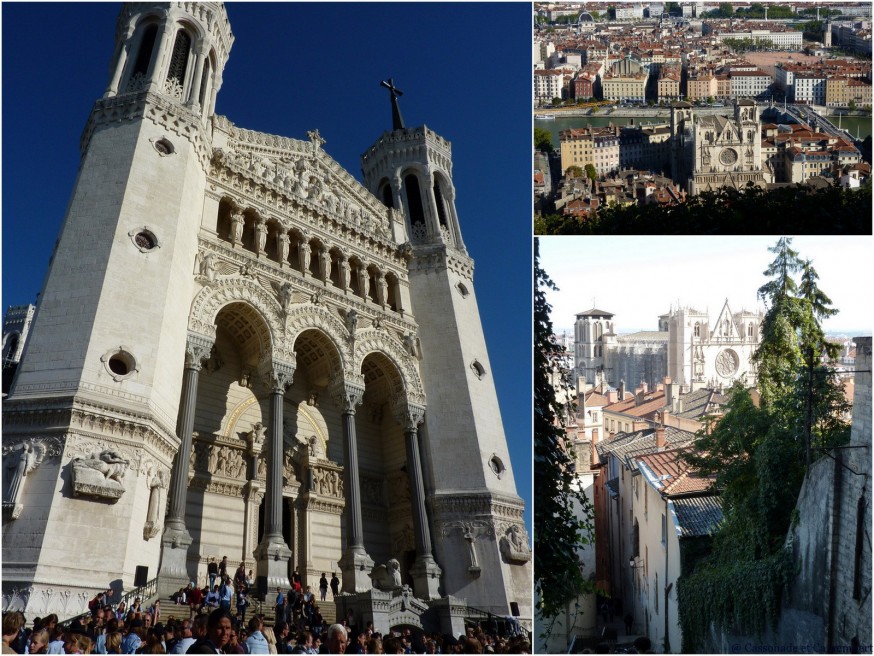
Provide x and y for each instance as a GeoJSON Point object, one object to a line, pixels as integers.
{"type": "Point", "coordinates": [475, 513]}
{"type": "Point", "coordinates": [91, 420]}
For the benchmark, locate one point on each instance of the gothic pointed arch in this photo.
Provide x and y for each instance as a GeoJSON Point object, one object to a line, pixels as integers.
{"type": "Point", "coordinates": [389, 347]}
{"type": "Point", "coordinates": [212, 298]}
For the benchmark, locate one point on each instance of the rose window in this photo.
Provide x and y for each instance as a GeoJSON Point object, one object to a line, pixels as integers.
{"type": "Point", "coordinates": [726, 363]}
{"type": "Point", "coordinates": [728, 156]}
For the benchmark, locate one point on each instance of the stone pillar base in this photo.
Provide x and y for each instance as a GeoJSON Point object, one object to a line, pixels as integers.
{"type": "Point", "coordinates": [426, 578]}
{"type": "Point", "coordinates": [272, 557]}
{"type": "Point", "coordinates": [452, 612]}
{"type": "Point", "coordinates": [173, 572]}
{"type": "Point", "coordinates": [356, 567]}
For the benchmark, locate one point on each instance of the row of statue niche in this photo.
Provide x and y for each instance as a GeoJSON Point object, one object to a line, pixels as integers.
{"type": "Point", "coordinates": [306, 184]}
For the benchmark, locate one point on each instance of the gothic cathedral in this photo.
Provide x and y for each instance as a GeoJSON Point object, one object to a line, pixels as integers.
{"type": "Point", "coordinates": [241, 350]}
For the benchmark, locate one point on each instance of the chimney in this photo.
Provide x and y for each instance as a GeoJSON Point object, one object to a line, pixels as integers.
{"type": "Point", "coordinates": [594, 436]}
{"type": "Point", "coordinates": [612, 396]}
{"type": "Point", "coordinates": [660, 437]}
{"type": "Point", "coordinates": [621, 390]}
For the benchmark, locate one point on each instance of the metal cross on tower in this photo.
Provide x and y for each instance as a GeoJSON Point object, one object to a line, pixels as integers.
{"type": "Point", "coordinates": [396, 120]}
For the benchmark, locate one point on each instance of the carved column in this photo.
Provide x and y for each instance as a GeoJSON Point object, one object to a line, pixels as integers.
{"type": "Point", "coordinates": [355, 563]}
{"type": "Point", "coordinates": [344, 274]}
{"type": "Point", "coordinates": [304, 256]}
{"type": "Point", "coordinates": [381, 289]}
{"type": "Point", "coordinates": [324, 265]}
{"type": "Point", "coordinates": [282, 247]}
{"type": "Point", "coordinates": [252, 495]}
{"type": "Point", "coordinates": [273, 553]}
{"type": "Point", "coordinates": [397, 185]}
{"type": "Point", "coordinates": [432, 205]}
{"type": "Point", "coordinates": [120, 63]}
{"type": "Point", "coordinates": [260, 235]}
{"type": "Point", "coordinates": [194, 97]}
{"type": "Point", "coordinates": [156, 80]}
{"type": "Point", "coordinates": [425, 572]}
{"type": "Point", "coordinates": [363, 280]}
{"type": "Point", "coordinates": [238, 222]}
{"type": "Point", "coordinates": [173, 572]}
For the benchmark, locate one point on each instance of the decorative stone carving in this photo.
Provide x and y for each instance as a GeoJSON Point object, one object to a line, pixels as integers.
{"type": "Point", "coordinates": [470, 531]}
{"type": "Point", "coordinates": [372, 491]}
{"type": "Point", "coordinates": [255, 438]}
{"type": "Point", "coordinates": [351, 322]}
{"type": "Point", "coordinates": [413, 346]}
{"type": "Point", "coordinates": [155, 514]}
{"type": "Point", "coordinates": [214, 362]}
{"type": "Point", "coordinates": [514, 545]}
{"type": "Point", "coordinates": [205, 265]}
{"type": "Point", "coordinates": [408, 415]}
{"type": "Point", "coordinates": [284, 292]}
{"type": "Point", "coordinates": [387, 577]}
{"type": "Point", "coordinates": [197, 349]}
{"type": "Point", "coordinates": [101, 475]}
{"type": "Point", "coordinates": [18, 461]}
{"type": "Point", "coordinates": [327, 482]}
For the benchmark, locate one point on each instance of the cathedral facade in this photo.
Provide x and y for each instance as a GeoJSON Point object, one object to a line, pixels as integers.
{"type": "Point", "coordinates": [259, 357]}
{"type": "Point", "coordinates": [714, 151]}
{"type": "Point", "coordinates": [687, 347]}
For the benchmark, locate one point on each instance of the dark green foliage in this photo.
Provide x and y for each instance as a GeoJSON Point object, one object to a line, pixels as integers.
{"type": "Point", "coordinates": [543, 140]}
{"type": "Point", "coordinates": [558, 530]}
{"type": "Point", "coordinates": [787, 210]}
{"type": "Point", "coordinates": [591, 172]}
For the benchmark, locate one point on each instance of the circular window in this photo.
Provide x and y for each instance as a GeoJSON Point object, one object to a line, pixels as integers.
{"type": "Point", "coordinates": [119, 363]}
{"type": "Point", "coordinates": [144, 239]}
{"type": "Point", "coordinates": [462, 289]}
{"type": "Point", "coordinates": [164, 147]}
{"type": "Point", "coordinates": [728, 156]}
{"type": "Point", "coordinates": [727, 363]}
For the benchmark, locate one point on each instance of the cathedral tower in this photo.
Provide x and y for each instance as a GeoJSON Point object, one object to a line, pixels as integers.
{"type": "Point", "coordinates": [91, 418]}
{"type": "Point", "coordinates": [471, 492]}
{"type": "Point", "coordinates": [589, 330]}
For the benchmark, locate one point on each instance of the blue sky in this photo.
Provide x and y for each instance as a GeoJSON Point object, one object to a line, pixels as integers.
{"type": "Point", "coordinates": [294, 68]}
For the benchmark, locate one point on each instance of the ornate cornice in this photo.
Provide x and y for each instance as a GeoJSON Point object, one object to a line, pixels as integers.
{"type": "Point", "coordinates": [437, 257]}
{"type": "Point", "coordinates": [158, 109]}
{"type": "Point", "coordinates": [475, 505]}
{"type": "Point", "coordinates": [222, 487]}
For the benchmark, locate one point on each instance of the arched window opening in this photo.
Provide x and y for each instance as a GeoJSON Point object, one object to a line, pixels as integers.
{"type": "Point", "coordinates": [272, 242]}
{"type": "Point", "coordinates": [441, 208]}
{"type": "Point", "coordinates": [394, 292]}
{"type": "Point", "coordinates": [750, 330]}
{"type": "Point", "coordinates": [417, 212]}
{"type": "Point", "coordinates": [140, 71]}
{"type": "Point", "coordinates": [355, 278]}
{"type": "Point", "coordinates": [223, 221]}
{"type": "Point", "coordinates": [336, 259]}
{"type": "Point", "coordinates": [11, 347]}
{"type": "Point", "coordinates": [697, 329]}
{"type": "Point", "coordinates": [314, 259]}
{"type": "Point", "coordinates": [248, 238]}
{"type": "Point", "coordinates": [385, 193]}
{"type": "Point", "coordinates": [294, 251]}
{"type": "Point", "coordinates": [178, 64]}
{"type": "Point", "coordinates": [371, 286]}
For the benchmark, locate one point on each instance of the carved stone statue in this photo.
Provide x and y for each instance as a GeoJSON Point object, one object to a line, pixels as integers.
{"type": "Point", "coordinates": [282, 244]}
{"type": "Point", "coordinates": [17, 464]}
{"type": "Point", "coordinates": [206, 265]}
{"type": "Point", "coordinates": [351, 321]}
{"type": "Point", "coordinates": [514, 547]}
{"type": "Point", "coordinates": [387, 577]}
{"type": "Point", "coordinates": [284, 292]}
{"type": "Point", "coordinates": [101, 475]}
{"type": "Point", "coordinates": [411, 343]}
{"type": "Point", "coordinates": [152, 526]}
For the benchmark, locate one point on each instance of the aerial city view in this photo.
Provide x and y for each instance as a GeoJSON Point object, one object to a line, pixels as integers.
{"type": "Point", "coordinates": [711, 399]}
{"type": "Point", "coordinates": [693, 117]}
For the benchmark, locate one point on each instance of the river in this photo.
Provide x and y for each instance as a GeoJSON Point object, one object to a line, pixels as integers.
{"type": "Point", "coordinates": [852, 123]}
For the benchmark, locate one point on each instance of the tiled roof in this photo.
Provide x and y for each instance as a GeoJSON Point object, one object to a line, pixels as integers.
{"type": "Point", "coordinates": [595, 313]}
{"type": "Point", "coordinates": [696, 404]}
{"type": "Point", "coordinates": [645, 336]}
{"type": "Point", "coordinates": [671, 474]}
{"type": "Point", "coordinates": [641, 442]}
{"type": "Point", "coordinates": [696, 516]}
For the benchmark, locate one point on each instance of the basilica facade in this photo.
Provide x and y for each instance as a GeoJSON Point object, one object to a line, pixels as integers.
{"type": "Point", "coordinates": [259, 357]}
{"type": "Point", "coordinates": [690, 348]}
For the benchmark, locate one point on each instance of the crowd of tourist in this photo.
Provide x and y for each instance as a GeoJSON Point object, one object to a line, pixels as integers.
{"type": "Point", "coordinates": [209, 625]}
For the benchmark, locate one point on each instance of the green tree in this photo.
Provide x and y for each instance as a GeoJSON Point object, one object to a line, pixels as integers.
{"type": "Point", "coordinates": [710, 100]}
{"type": "Point", "coordinates": [726, 10]}
{"type": "Point", "coordinates": [543, 140]}
{"type": "Point", "coordinates": [558, 530]}
{"type": "Point", "coordinates": [851, 105]}
{"type": "Point", "coordinates": [759, 456]}
{"type": "Point", "coordinates": [591, 172]}
{"type": "Point", "coordinates": [556, 101]}
{"type": "Point", "coordinates": [573, 172]}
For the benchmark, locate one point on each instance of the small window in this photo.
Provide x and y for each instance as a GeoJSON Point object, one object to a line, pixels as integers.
{"type": "Point", "coordinates": [478, 369]}
{"type": "Point", "coordinates": [119, 363]}
{"type": "Point", "coordinates": [144, 239]}
{"type": "Point", "coordinates": [164, 147]}
{"type": "Point", "coordinates": [497, 466]}
{"type": "Point", "coordinates": [462, 289]}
